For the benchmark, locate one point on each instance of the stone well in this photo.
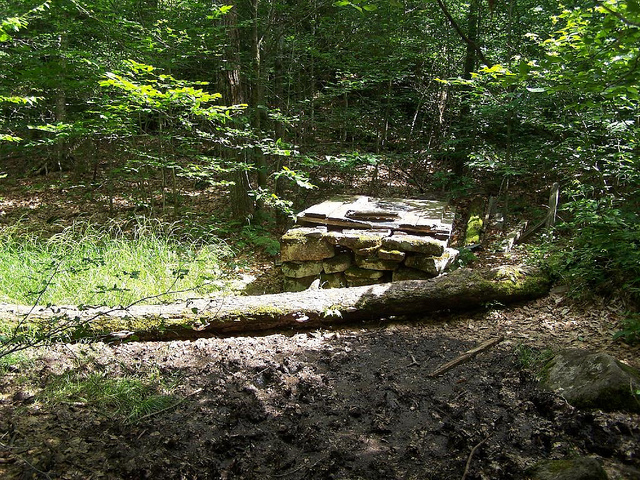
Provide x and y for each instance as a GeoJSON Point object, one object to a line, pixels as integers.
{"type": "Point", "coordinates": [354, 241]}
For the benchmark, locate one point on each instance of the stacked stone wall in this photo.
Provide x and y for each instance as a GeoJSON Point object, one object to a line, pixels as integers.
{"type": "Point", "coordinates": [351, 258]}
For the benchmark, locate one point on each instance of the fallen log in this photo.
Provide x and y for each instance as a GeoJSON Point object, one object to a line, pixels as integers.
{"type": "Point", "coordinates": [461, 289]}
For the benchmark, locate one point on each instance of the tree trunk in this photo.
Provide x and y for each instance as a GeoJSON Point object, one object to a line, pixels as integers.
{"type": "Point", "coordinates": [462, 289]}
{"type": "Point", "coordinates": [242, 203]}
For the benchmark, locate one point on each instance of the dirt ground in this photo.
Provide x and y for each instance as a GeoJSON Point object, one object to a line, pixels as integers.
{"type": "Point", "coordinates": [353, 403]}
{"type": "Point", "coordinates": [350, 403]}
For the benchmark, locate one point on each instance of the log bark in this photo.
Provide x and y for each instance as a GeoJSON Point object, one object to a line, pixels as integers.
{"type": "Point", "coordinates": [462, 289]}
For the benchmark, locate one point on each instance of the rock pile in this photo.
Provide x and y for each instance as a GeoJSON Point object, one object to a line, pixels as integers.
{"type": "Point", "coordinates": [356, 257]}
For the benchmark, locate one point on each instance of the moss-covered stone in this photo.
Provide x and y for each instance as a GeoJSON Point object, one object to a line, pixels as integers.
{"type": "Point", "coordinates": [302, 269]}
{"type": "Point", "coordinates": [358, 239]}
{"type": "Point", "coordinates": [303, 244]}
{"type": "Point", "coordinates": [433, 266]}
{"type": "Point", "coordinates": [297, 284]}
{"type": "Point", "coordinates": [474, 230]}
{"type": "Point", "coordinates": [356, 273]}
{"type": "Point", "coordinates": [337, 264]}
{"type": "Point", "coordinates": [367, 252]}
{"type": "Point", "coordinates": [374, 263]}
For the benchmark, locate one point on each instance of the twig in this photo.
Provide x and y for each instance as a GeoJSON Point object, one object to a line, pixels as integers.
{"type": "Point", "coordinates": [182, 400]}
{"type": "Point", "coordinates": [465, 357]}
{"type": "Point", "coordinates": [473, 451]}
{"type": "Point", "coordinates": [413, 361]}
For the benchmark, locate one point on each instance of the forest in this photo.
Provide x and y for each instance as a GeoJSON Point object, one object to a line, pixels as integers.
{"type": "Point", "coordinates": [154, 152]}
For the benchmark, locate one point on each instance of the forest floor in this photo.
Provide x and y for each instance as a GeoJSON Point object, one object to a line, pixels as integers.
{"type": "Point", "coordinates": [355, 402]}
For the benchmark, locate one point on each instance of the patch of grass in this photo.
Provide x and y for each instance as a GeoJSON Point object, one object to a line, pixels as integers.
{"type": "Point", "coordinates": [112, 265]}
{"type": "Point", "coordinates": [532, 359]}
{"type": "Point", "coordinates": [13, 361]}
{"type": "Point", "coordinates": [127, 398]}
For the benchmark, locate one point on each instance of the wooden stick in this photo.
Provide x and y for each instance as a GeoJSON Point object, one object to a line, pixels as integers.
{"type": "Point", "coordinates": [473, 451]}
{"type": "Point", "coordinates": [465, 357]}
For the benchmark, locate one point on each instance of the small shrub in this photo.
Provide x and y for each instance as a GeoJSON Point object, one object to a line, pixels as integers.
{"type": "Point", "coordinates": [630, 332]}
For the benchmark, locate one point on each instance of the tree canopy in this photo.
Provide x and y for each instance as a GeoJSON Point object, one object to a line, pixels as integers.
{"type": "Point", "coordinates": [261, 94]}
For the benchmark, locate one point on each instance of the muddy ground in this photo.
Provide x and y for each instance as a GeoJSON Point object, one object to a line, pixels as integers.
{"type": "Point", "coordinates": [353, 403]}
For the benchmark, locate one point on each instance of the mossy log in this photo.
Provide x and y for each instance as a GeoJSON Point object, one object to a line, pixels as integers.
{"type": "Point", "coordinates": [462, 289]}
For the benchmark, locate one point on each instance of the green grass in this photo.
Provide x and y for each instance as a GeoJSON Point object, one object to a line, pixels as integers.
{"type": "Point", "coordinates": [13, 360]}
{"type": "Point", "coordinates": [110, 265]}
{"type": "Point", "coordinates": [125, 398]}
{"type": "Point", "coordinates": [532, 359]}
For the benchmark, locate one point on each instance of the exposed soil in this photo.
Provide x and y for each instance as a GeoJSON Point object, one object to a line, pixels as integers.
{"type": "Point", "coordinates": [350, 403]}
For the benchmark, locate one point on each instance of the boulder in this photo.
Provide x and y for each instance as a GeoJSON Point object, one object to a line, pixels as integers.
{"type": "Point", "coordinates": [593, 380]}
{"type": "Point", "coordinates": [579, 468]}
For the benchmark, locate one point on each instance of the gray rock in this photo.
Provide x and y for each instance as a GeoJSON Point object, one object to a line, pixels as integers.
{"type": "Point", "coordinates": [593, 380]}
{"type": "Point", "coordinates": [356, 239]}
{"type": "Point", "coordinates": [580, 468]}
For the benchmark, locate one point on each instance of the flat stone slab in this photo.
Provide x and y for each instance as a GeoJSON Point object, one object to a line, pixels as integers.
{"type": "Point", "coordinates": [414, 243]}
{"type": "Point", "coordinates": [423, 217]}
{"type": "Point", "coordinates": [353, 273]}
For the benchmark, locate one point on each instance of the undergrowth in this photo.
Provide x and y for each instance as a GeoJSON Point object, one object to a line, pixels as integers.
{"type": "Point", "coordinates": [117, 264]}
